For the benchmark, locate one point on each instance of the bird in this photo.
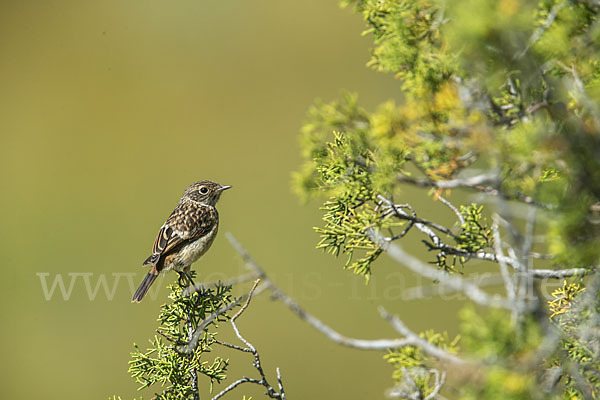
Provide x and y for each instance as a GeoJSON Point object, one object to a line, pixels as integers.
{"type": "Point", "coordinates": [186, 235]}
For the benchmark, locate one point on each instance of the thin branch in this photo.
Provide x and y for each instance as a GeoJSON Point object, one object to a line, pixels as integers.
{"type": "Point", "coordinates": [395, 208]}
{"type": "Point", "coordinates": [384, 344]}
{"type": "Point", "coordinates": [331, 334]}
{"type": "Point", "coordinates": [439, 382]}
{"type": "Point", "coordinates": [168, 338]}
{"type": "Point", "coordinates": [362, 344]}
{"type": "Point", "coordinates": [508, 281]}
{"type": "Point", "coordinates": [415, 392]}
{"type": "Point", "coordinates": [485, 183]}
{"type": "Point", "coordinates": [542, 28]}
{"type": "Point", "coordinates": [240, 311]}
{"type": "Point", "coordinates": [422, 224]}
{"type": "Point", "coordinates": [559, 273]}
{"type": "Point", "coordinates": [471, 182]}
{"type": "Point", "coordinates": [271, 392]}
{"type": "Point", "coordinates": [191, 345]}
{"type": "Point", "coordinates": [512, 262]}
{"type": "Point", "coordinates": [529, 237]}
{"type": "Point", "coordinates": [280, 384]}
{"type": "Point", "coordinates": [541, 256]}
{"type": "Point", "coordinates": [451, 207]}
{"type": "Point", "coordinates": [472, 291]}
{"type": "Point", "coordinates": [234, 385]}
{"type": "Point", "coordinates": [193, 372]}
{"type": "Point", "coordinates": [232, 346]}
{"type": "Point", "coordinates": [438, 244]}
{"type": "Point", "coordinates": [440, 289]}
{"type": "Point", "coordinates": [524, 275]}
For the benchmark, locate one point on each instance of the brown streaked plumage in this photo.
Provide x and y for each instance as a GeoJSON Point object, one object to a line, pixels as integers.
{"type": "Point", "coordinates": [186, 235]}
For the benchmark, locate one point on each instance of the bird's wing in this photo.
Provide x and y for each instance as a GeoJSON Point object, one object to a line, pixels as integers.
{"type": "Point", "coordinates": [185, 224]}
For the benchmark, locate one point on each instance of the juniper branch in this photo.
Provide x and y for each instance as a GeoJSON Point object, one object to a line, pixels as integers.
{"type": "Point", "coordinates": [439, 244]}
{"type": "Point", "coordinates": [474, 182]}
{"type": "Point", "coordinates": [508, 282]}
{"type": "Point", "coordinates": [486, 183]}
{"type": "Point", "coordinates": [440, 289]}
{"type": "Point", "coordinates": [379, 344]}
{"type": "Point", "coordinates": [195, 336]}
{"type": "Point", "coordinates": [472, 291]}
{"type": "Point", "coordinates": [331, 334]}
{"type": "Point", "coordinates": [439, 382]}
{"type": "Point", "coordinates": [271, 392]}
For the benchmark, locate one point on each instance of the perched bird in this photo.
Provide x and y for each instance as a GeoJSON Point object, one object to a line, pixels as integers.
{"type": "Point", "coordinates": [186, 235]}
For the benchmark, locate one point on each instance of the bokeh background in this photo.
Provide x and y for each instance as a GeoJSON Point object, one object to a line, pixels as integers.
{"type": "Point", "coordinates": [108, 110]}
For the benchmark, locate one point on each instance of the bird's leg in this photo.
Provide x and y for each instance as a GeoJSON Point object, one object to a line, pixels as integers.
{"type": "Point", "coordinates": [182, 276]}
{"type": "Point", "coordinates": [189, 278]}
{"type": "Point", "coordinates": [188, 274]}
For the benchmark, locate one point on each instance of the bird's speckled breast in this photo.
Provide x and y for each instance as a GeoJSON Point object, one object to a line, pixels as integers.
{"type": "Point", "coordinates": [191, 251]}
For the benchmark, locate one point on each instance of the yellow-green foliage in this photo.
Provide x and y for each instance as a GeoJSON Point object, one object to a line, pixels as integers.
{"type": "Point", "coordinates": [504, 384]}
{"type": "Point", "coordinates": [408, 42]}
{"type": "Point", "coordinates": [510, 86]}
{"type": "Point", "coordinates": [350, 211]}
{"type": "Point", "coordinates": [580, 342]}
{"type": "Point", "coordinates": [492, 337]}
{"type": "Point", "coordinates": [413, 361]}
{"type": "Point", "coordinates": [475, 234]}
{"type": "Point", "coordinates": [510, 82]}
{"type": "Point", "coordinates": [562, 304]}
{"type": "Point", "coordinates": [165, 362]}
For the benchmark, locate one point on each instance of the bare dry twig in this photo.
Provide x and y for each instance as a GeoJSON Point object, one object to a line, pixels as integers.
{"type": "Point", "coordinates": [438, 244]}
{"type": "Point", "coordinates": [410, 339]}
{"type": "Point", "coordinates": [379, 344]}
{"type": "Point", "coordinates": [485, 183]}
{"type": "Point", "coordinates": [471, 182]}
{"type": "Point", "coordinates": [414, 264]}
{"type": "Point", "coordinates": [508, 280]}
{"type": "Point", "coordinates": [440, 289]}
{"type": "Point", "coordinates": [439, 382]}
{"type": "Point", "coordinates": [271, 392]}
{"type": "Point", "coordinates": [195, 336]}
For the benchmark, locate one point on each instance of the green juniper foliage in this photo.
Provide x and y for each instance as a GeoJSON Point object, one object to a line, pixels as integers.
{"type": "Point", "coordinates": [166, 361]}
{"type": "Point", "coordinates": [475, 234]}
{"type": "Point", "coordinates": [352, 211]}
{"type": "Point", "coordinates": [410, 363]}
{"type": "Point", "coordinates": [505, 91]}
{"type": "Point", "coordinates": [571, 312]}
{"type": "Point", "coordinates": [484, 97]}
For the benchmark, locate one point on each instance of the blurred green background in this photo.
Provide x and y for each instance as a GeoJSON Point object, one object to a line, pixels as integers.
{"type": "Point", "coordinates": [108, 110]}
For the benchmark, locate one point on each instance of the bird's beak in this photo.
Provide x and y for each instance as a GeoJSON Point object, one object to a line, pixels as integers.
{"type": "Point", "coordinates": [225, 187]}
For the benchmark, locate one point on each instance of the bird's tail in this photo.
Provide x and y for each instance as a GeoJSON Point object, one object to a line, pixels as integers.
{"type": "Point", "coordinates": [144, 286]}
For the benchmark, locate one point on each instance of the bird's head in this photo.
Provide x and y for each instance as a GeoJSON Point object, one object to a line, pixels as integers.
{"type": "Point", "coordinates": [204, 192]}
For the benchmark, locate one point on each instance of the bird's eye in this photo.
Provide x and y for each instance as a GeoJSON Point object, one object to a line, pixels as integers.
{"type": "Point", "coordinates": [203, 190]}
